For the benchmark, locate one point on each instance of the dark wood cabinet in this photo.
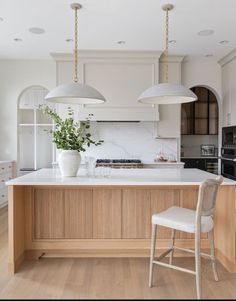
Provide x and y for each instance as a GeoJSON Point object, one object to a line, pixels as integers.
{"type": "Point", "coordinates": [206, 164]}
{"type": "Point", "coordinates": [200, 117]}
{"type": "Point", "coordinates": [194, 163]}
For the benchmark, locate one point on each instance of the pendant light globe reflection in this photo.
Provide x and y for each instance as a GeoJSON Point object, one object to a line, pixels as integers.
{"type": "Point", "coordinates": [75, 93]}
{"type": "Point", "coordinates": [167, 93]}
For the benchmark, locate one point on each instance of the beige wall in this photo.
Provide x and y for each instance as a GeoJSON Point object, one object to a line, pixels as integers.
{"type": "Point", "coordinates": [202, 72]}
{"type": "Point", "coordinates": [15, 76]}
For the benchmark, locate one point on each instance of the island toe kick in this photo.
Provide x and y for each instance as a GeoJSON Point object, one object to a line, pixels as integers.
{"type": "Point", "coordinates": [107, 221]}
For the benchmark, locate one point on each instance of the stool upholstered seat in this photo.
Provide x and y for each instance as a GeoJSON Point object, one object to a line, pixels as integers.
{"type": "Point", "coordinates": [182, 219]}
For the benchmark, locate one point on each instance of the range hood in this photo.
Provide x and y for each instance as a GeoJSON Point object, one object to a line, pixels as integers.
{"type": "Point", "coordinates": [128, 114]}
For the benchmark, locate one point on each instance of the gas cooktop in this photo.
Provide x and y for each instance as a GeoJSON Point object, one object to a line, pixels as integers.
{"type": "Point", "coordinates": [136, 161]}
{"type": "Point", "coordinates": [120, 163]}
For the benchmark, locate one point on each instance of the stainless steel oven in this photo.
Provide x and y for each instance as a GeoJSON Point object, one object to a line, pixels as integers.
{"type": "Point", "coordinates": [229, 136]}
{"type": "Point", "coordinates": [228, 168]}
{"type": "Point", "coordinates": [228, 152]}
{"type": "Point", "coordinates": [228, 161]}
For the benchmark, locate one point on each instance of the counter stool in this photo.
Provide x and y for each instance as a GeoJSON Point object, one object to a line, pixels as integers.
{"type": "Point", "coordinates": [197, 222]}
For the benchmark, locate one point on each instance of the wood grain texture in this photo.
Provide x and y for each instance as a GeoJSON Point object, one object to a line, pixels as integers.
{"type": "Point", "coordinates": [78, 213]}
{"type": "Point", "coordinates": [49, 214]}
{"type": "Point", "coordinates": [225, 223]}
{"type": "Point", "coordinates": [29, 216]}
{"type": "Point", "coordinates": [107, 213]}
{"type": "Point", "coordinates": [16, 222]}
{"type": "Point", "coordinates": [121, 219]}
{"type": "Point", "coordinates": [136, 213]}
{"type": "Point", "coordinates": [104, 278]}
{"type": "Point", "coordinates": [160, 201]}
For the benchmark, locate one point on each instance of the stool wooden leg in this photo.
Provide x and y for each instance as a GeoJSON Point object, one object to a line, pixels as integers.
{"type": "Point", "coordinates": [153, 246]}
{"type": "Point", "coordinates": [198, 263]}
{"type": "Point", "coordinates": [173, 231]}
{"type": "Point", "coordinates": [213, 260]}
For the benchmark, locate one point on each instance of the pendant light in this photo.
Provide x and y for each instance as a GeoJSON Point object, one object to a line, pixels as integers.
{"type": "Point", "coordinates": [75, 93]}
{"type": "Point", "coordinates": [167, 93]}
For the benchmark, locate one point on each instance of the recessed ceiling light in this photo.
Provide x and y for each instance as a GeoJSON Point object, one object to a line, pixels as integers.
{"type": "Point", "coordinates": [1, 19]}
{"type": "Point", "coordinates": [69, 40]}
{"type": "Point", "coordinates": [121, 42]}
{"type": "Point", "coordinates": [206, 32]}
{"type": "Point", "coordinates": [18, 40]}
{"type": "Point", "coordinates": [172, 42]}
{"type": "Point", "coordinates": [224, 42]}
{"type": "Point", "coordinates": [209, 55]}
{"type": "Point", "coordinates": [36, 30]}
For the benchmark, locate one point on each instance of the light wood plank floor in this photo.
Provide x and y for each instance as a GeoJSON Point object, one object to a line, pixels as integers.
{"type": "Point", "coordinates": [55, 278]}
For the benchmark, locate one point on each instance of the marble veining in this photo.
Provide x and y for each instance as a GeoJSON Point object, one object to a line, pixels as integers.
{"type": "Point", "coordinates": [129, 140]}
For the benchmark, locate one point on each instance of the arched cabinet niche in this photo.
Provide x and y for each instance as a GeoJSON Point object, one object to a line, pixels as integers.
{"type": "Point", "coordinates": [202, 116]}
{"type": "Point", "coordinates": [200, 131]}
{"type": "Point", "coordinates": [35, 148]}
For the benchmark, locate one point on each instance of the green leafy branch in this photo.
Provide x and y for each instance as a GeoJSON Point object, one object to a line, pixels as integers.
{"type": "Point", "coordinates": [68, 134]}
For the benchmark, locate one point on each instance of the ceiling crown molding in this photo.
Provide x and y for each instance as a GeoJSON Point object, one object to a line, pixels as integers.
{"type": "Point", "coordinates": [172, 58]}
{"type": "Point", "coordinates": [108, 55]}
{"type": "Point", "coordinates": [228, 58]}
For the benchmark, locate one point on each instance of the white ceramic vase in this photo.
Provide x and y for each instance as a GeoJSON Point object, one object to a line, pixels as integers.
{"type": "Point", "coordinates": [69, 162]}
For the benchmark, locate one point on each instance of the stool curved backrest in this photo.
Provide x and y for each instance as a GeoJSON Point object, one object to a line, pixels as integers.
{"type": "Point", "coordinates": [207, 196]}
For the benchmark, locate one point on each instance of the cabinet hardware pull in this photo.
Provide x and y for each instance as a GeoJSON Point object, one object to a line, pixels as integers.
{"type": "Point", "coordinates": [3, 195]}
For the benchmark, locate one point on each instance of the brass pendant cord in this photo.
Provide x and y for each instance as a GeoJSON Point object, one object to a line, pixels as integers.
{"type": "Point", "coordinates": [166, 52]}
{"type": "Point", "coordinates": [76, 47]}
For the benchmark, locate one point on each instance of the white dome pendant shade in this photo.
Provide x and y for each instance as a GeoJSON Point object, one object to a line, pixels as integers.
{"type": "Point", "coordinates": [167, 93]}
{"type": "Point", "coordinates": [75, 93]}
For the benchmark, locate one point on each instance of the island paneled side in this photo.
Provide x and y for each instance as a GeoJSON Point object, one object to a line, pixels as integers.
{"type": "Point", "coordinates": [107, 221]}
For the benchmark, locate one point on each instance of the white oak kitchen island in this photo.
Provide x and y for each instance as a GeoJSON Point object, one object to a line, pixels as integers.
{"type": "Point", "coordinates": [109, 217]}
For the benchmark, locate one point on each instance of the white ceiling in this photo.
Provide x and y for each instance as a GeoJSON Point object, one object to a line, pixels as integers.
{"type": "Point", "coordinates": [104, 22]}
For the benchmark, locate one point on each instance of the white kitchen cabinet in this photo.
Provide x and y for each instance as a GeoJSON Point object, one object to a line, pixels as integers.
{"type": "Point", "coordinates": [6, 174]}
{"type": "Point", "coordinates": [120, 76]}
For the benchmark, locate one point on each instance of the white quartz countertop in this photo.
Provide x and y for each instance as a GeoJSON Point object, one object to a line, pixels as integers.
{"type": "Point", "coordinates": [162, 163]}
{"type": "Point", "coordinates": [119, 177]}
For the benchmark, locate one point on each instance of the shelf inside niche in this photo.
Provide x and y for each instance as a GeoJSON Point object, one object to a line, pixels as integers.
{"type": "Point", "coordinates": [26, 116]}
{"type": "Point", "coordinates": [26, 124]}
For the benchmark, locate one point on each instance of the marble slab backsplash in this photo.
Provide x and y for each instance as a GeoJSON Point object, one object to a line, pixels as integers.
{"type": "Point", "coordinates": [129, 140]}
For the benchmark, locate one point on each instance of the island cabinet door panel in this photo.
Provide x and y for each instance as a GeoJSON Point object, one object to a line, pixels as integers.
{"type": "Point", "coordinates": [161, 200]}
{"type": "Point", "coordinates": [107, 213]}
{"type": "Point", "coordinates": [49, 214]}
{"type": "Point", "coordinates": [78, 213]}
{"type": "Point", "coordinates": [136, 213]}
